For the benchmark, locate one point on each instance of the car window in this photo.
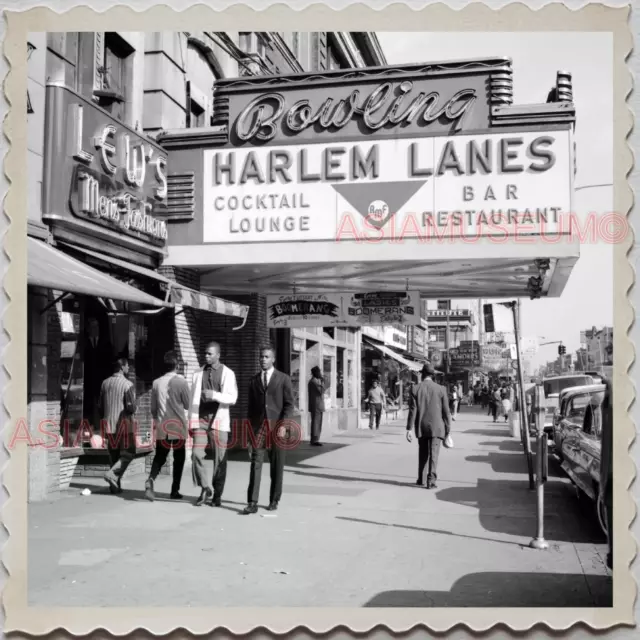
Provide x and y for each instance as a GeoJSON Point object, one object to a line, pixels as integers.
{"type": "Point", "coordinates": [556, 385]}
{"type": "Point", "coordinates": [578, 408]}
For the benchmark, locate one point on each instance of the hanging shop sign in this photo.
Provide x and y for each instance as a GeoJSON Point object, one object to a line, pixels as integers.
{"type": "Point", "coordinates": [396, 337]}
{"type": "Point", "coordinates": [343, 309]}
{"type": "Point", "coordinates": [416, 338]}
{"type": "Point", "coordinates": [492, 358]}
{"type": "Point", "coordinates": [417, 99]}
{"type": "Point", "coordinates": [100, 171]}
{"type": "Point", "coordinates": [467, 354]}
{"type": "Point", "coordinates": [499, 185]}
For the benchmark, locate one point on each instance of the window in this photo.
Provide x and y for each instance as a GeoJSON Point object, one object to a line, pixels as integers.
{"type": "Point", "coordinates": [578, 408]}
{"type": "Point", "coordinates": [197, 115]}
{"type": "Point", "coordinates": [114, 74]}
{"type": "Point", "coordinates": [332, 59]}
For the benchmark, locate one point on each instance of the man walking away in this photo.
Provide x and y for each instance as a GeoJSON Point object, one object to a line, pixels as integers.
{"type": "Point", "coordinates": [315, 390]}
{"type": "Point", "coordinates": [429, 416]}
{"type": "Point", "coordinates": [117, 407]}
{"type": "Point", "coordinates": [169, 408]}
{"type": "Point", "coordinates": [213, 391]}
{"type": "Point", "coordinates": [376, 400]}
{"type": "Point", "coordinates": [270, 403]}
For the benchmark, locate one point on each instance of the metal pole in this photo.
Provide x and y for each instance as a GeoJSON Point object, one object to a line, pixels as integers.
{"type": "Point", "coordinates": [524, 423]}
{"type": "Point", "coordinates": [447, 340]}
{"type": "Point", "coordinates": [539, 542]}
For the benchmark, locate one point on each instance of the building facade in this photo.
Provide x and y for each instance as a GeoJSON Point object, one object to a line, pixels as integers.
{"type": "Point", "coordinates": [102, 202]}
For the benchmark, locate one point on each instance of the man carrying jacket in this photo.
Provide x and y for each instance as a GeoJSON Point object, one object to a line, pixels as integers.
{"type": "Point", "coordinates": [213, 391]}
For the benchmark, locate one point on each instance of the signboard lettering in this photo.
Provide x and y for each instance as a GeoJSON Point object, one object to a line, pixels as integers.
{"type": "Point", "coordinates": [343, 310]}
{"type": "Point", "coordinates": [107, 174]}
{"type": "Point", "coordinates": [479, 185]}
{"type": "Point", "coordinates": [261, 118]}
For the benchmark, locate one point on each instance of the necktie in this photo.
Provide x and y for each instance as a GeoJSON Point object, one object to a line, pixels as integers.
{"type": "Point", "coordinates": [264, 380]}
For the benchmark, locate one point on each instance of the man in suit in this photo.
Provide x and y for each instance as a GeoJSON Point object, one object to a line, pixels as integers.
{"type": "Point", "coordinates": [270, 405]}
{"type": "Point", "coordinates": [213, 391]}
{"type": "Point", "coordinates": [315, 390]}
{"type": "Point", "coordinates": [430, 417]}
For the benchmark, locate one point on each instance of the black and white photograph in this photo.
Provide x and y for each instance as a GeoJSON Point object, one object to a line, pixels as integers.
{"type": "Point", "coordinates": [321, 319]}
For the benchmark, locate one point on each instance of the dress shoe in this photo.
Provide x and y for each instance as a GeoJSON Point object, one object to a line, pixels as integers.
{"type": "Point", "coordinates": [273, 506]}
{"type": "Point", "coordinates": [316, 444]}
{"type": "Point", "coordinates": [205, 496]}
{"type": "Point", "coordinates": [113, 482]}
{"type": "Point", "coordinates": [176, 495]}
{"type": "Point", "coordinates": [148, 493]}
{"type": "Point", "coordinates": [216, 502]}
{"type": "Point", "coordinates": [419, 482]}
{"type": "Point", "coordinates": [252, 507]}
{"type": "Point", "coordinates": [432, 485]}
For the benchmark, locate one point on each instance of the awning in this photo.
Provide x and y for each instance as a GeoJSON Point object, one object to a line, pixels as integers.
{"type": "Point", "coordinates": [177, 293]}
{"type": "Point", "coordinates": [414, 366]}
{"type": "Point", "coordinates": [52, 269]}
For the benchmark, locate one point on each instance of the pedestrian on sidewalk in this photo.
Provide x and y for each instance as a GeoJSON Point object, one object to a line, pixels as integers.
{"type": "Point", "coordinates": [506, 403]}
{"type": "Point", "coordinates": [496, 403]}
{"type": "Point", "coordinates": [170, 402]}
{"type": "Point", "coordinates": [429, 416]}
{"type": "Point", "coordinates": [117, 406]}
{"type": "Point", "coordinates": [213, 392]}
{"type": "Point", "coordinates": [376, 399]}
{"type": "Point", "coordinates": [270, 406]}
{"type": "Point", "coordinates": [453, 400]}
{"type": "Point", "coordinates": [315, 391]}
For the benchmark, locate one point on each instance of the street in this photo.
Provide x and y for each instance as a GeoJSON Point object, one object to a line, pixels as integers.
{"type": "Point", "coordinates": [352, 530]}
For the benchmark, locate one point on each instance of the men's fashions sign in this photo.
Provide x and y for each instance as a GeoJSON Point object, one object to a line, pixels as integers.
{"type": "Point", "coordinates": [450, 186]}
{"type": "Point", "coordinates": [343, 309]}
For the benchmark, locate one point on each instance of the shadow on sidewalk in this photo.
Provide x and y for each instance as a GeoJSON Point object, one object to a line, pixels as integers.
{"type": "Point", "coordinates": [491, 431]}
{"type": "Point", "coordinates": [304, 451]}
{"type": "Point", "coordinates": [506, 589]}
{"type": "Point", "coordinates": [511, 446]}
{"type": "Point", "coordinates": [514, 463]}
{"type": "Point", "coordinates": [509, 506]}
{"type": "Point", "coordinates": [427, 530]}
{"type": "Point", "coordinates": [341, 478]}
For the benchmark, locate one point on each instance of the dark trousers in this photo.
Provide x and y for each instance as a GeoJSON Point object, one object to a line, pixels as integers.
{"type": "Point", "coordinates": [375, 412]}
{"type": "Point", "coordinates": [276, 461]}
{"type": "Point", "coordinates": [120, 457]}
{"type": "Point", "coordinates": [494, 411]}
{"type": "Point", "coordinates": [428, 452]}
{"type": "Point", "coordinates": [162, 452]}
{"type": "Point", "coordinates": [316, 425]}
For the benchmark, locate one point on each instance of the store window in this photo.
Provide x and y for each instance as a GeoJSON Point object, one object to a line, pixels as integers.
{"type": "Point", "coordinates": [328, 370]}
{"type": "Point", "coordinates": [296, 364]}
{"type": "Point", "coordinates": [340, 378]}
{"type": "Point", "coordinates": [350, 380]}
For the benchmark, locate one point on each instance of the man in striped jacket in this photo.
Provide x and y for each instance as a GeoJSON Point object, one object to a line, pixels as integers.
{"type": "Point", "coordinates": [117, 408]}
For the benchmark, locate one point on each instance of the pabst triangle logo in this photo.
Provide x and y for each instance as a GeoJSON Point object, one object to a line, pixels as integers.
{"type": "Point", "coordinates": [378, 202]}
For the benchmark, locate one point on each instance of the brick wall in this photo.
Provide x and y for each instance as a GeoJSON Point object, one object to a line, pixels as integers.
{"type": "Point", "coordinates": [239, 349]}
{"type": "Point", "coordinates": [67, 470]}
{"type": "Point", "coordinates": [43, 401]}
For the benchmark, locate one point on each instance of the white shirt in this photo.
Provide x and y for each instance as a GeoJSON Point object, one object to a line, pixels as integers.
{"type": "Point", "coordinates": [269, 373]}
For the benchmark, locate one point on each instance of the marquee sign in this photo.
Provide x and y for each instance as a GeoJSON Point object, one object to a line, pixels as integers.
{"type": "Point", "coordinates": [497, 184]}
{"type": "Point", "coordinates": [103, 172]}
{"type": "Point", "coordinates": [343, 309]}
{"type": "Point", "coordinates": [416, 99]}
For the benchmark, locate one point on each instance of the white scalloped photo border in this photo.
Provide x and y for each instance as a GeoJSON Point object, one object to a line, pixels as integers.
{"type": "Point", "coordinates": [384, 16]}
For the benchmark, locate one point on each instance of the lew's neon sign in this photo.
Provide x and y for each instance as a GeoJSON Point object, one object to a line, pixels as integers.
{"type": "Point", "coordinates": [389, 104]}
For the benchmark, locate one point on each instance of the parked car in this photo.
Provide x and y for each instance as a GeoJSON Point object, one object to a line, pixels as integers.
{"type": "Point", "coordinates": [578, 440]}
{"type": "Point", "coordinates": [552, 388]}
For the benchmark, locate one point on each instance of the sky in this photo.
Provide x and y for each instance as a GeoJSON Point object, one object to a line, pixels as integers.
{"type": "Point", "coordinates": [587, 298]}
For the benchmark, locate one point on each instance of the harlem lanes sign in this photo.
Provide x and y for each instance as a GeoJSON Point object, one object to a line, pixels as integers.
{"type": "Point", "coordinates": [497, 184]}
{"type": "Point", "coordinates": [412, 100]}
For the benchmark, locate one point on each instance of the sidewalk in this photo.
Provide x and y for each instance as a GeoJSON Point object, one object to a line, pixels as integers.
{"type": "Point", "coordinates": [352, 530]}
